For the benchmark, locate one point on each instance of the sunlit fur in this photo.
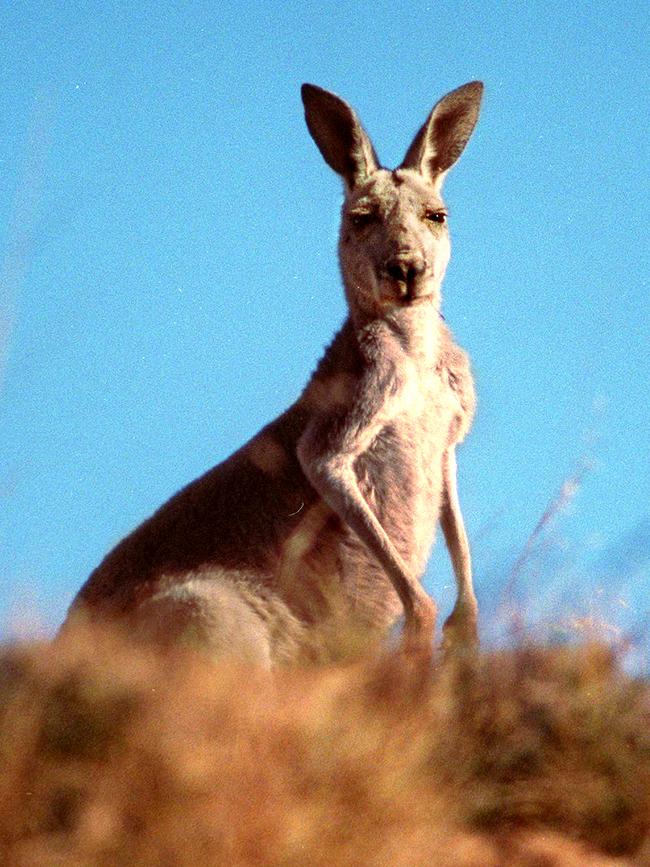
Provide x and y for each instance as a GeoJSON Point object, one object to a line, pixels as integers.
{"type": "Point", "coordinates": [328, 514]}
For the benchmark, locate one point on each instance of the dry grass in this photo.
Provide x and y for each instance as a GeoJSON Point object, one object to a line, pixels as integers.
{"type": "Point", "coordinates": [112, 755]}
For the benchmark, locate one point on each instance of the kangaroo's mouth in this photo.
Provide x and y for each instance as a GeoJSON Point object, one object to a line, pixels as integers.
{"type": "Point", "coordinates": [418, 299]}
{"type": "Point", "coordinates": [403, 294]}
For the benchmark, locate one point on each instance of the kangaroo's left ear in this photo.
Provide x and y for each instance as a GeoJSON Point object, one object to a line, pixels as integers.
{"type": "Point", "coordinates": [443, 137]}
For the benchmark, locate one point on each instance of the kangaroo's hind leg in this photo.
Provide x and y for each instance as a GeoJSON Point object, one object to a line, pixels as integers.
{"type": "Point", "coordinates": [210, 615]}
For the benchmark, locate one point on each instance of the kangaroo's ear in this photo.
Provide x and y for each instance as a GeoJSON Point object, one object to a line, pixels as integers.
{"type": "Point", "coordinates": [443, 137]}
{"type": "Point", "coordinates": [341, 139]}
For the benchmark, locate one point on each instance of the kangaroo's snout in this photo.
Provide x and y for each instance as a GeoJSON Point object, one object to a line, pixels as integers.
{"type": "Point", "coordinates": [404, 272]}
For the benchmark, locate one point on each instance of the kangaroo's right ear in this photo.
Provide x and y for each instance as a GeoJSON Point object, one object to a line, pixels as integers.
{"type": "Point", "coordinates": [341, 139]}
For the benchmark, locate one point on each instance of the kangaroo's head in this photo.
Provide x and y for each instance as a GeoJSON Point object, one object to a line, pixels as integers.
{"type": "Point", "coordinates": [394, 242]}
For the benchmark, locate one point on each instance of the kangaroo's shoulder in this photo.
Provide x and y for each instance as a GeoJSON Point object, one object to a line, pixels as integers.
{"type": "Point", "coordinates": [334, 380]}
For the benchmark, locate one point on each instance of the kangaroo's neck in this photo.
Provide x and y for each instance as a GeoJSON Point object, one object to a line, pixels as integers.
{"type": "Point", "coordinates": [416, 327]}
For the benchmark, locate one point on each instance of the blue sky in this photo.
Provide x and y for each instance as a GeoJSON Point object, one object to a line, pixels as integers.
{"type": "Point", "coordinates": [168, 274]}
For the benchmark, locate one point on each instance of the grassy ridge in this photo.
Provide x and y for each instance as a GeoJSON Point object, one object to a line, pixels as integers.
{"type": "Point", "coordinates": [112, 755]}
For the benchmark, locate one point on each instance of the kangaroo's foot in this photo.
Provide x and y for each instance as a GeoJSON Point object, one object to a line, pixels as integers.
{"type": "Point", "coordinates": [419, 632]}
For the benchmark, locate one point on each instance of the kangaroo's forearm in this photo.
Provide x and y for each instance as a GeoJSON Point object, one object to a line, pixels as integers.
{"type": "Point", "coordinates": [333, 477]}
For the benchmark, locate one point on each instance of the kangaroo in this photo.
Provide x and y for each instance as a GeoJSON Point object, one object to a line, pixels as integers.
{"type": "Point", "coordinates": [338, 497]}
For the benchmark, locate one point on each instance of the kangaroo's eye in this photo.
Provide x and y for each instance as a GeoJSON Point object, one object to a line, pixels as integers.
{"type": "Point", "coordinates": [435, 216]}
{"type": "Point", "coordinates": [361, 219]}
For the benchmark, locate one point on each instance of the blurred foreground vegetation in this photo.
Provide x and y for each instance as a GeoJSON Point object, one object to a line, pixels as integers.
{"type": "Point", "coordinates": [113, 755]}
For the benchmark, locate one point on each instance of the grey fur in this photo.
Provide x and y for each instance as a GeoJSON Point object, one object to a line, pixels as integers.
{"type": "Point", "coordinates": [332, 507]}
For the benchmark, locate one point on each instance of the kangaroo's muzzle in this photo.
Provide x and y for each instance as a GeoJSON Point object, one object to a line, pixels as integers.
{"type": "Point", "coordinates": [403, 277]}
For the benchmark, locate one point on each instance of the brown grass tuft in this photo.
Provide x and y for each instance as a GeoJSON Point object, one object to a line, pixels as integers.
{"type": "Point", "coordinates": [113, 755]}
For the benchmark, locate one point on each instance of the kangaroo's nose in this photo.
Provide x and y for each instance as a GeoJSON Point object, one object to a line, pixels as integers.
{"type": "Point", "coordinates": [405, 269]}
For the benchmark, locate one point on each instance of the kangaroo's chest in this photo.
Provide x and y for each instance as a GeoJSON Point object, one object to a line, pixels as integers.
{"type": "Point", "coordinates": [400, 474]}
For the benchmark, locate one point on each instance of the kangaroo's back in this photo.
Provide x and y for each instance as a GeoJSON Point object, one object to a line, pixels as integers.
{"type": "Point", "coordinates": [334, 504]}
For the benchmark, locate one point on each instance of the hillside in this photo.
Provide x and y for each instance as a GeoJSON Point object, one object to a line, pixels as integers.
{"type": "Point", "coordinates": [112, 755]}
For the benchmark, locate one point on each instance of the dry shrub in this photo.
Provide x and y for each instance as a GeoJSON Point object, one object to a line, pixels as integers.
{"type": "Point", "coordinates": [114, 755]}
